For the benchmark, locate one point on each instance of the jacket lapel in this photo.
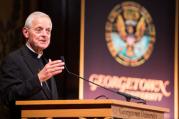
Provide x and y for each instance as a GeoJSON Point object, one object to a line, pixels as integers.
{"type": "Point", "coordinates": [29, 60]}
{"type": "Point", "coordinates": [32, 64]}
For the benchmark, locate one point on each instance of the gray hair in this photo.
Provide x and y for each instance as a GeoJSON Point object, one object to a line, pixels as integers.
{"type": "Point", "coordinates": [33, 15]}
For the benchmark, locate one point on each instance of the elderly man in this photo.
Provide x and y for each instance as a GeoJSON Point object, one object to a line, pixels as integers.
{"type": "Point", "coordinates": [26, 74]}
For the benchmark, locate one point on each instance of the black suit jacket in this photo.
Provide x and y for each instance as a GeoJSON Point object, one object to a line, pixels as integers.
{"type": "Point", "coordinates": [19, 80]}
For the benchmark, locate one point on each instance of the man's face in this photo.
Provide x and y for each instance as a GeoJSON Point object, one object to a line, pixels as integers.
{"type": "Point", "coordinates": [39, 33]}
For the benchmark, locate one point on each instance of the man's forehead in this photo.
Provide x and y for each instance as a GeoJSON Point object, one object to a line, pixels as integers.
{"type": "Point", "coordinates": [42, 21]}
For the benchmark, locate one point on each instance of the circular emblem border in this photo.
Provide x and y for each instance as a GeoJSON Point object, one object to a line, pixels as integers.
{"type": "Point", "coordinates": [141, 40]}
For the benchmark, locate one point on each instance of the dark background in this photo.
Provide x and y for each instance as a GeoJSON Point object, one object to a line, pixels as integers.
{"type": "Point", "coordinates": [65, 39]}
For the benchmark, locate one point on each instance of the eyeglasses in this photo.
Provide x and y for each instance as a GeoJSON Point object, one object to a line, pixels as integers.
{"type": "Point", "coordinates": [39, 30]}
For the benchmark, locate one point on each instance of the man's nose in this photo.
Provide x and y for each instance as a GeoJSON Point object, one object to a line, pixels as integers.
{"type": "Point", "coordinates": [44, 33]}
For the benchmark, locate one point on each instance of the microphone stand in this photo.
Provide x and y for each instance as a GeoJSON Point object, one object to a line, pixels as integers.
{"type": "Point", "coordinates": [127, 96]}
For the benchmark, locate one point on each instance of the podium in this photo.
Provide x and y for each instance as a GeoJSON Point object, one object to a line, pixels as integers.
{"type": "Point", "coordinates": [89, 109]}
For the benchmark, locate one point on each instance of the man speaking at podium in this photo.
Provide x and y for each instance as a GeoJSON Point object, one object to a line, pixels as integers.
{"type": "Point", "coordinates": [26, 74]}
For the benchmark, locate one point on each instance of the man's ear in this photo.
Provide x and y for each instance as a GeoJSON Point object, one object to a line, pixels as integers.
{"type": "Point", "coordinates": [25, 32]}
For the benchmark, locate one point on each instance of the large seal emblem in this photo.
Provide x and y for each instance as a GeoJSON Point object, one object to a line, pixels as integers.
{"type": "Point", "coordinates": [130, 34]}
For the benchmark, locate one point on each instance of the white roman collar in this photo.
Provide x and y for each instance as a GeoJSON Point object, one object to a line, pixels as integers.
{"type": "Point", "coordinates": [30, 48]}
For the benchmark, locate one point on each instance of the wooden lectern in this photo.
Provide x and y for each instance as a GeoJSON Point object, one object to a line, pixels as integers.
{"type": "Point", "coordinates": [93, 109]}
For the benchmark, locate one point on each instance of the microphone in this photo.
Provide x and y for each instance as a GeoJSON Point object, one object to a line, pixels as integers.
{"type": "Point", "coordinates": [127, 96]}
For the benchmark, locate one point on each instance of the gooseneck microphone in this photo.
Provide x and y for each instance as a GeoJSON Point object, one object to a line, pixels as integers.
{"type": "Point", "coordinates": [128, 97]}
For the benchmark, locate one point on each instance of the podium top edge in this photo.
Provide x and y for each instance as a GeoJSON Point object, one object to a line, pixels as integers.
{"type": "Point", "coordinates": [91, 102]}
